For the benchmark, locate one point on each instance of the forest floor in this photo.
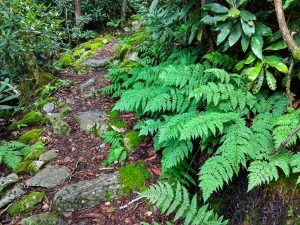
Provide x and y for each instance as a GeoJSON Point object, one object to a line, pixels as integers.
{"type": "Point", "coordinates": [82, 154]}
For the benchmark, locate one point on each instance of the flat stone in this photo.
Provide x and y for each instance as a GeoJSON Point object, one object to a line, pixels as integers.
{"type": "Point", "coordinates": [7, 181]}
{"type": "Point", "coordinates": [97, 63]}
{"type": "Point", "coordinates": [49, 177]}
{"type": "Point", "coordinates": [48, 156]}
{"type": "Point", "coordinates": [44, 219]}
{"type": "Point", "coordinates": [87, 193]}
{"type": "Point", "coordinates": [11, 195]}
{"type": "Point", "coordinates": [92, 121]}
{"type": "Point", "coordinates": [59, 127]}
{"type": "Point", "coordinates": [49, 107]}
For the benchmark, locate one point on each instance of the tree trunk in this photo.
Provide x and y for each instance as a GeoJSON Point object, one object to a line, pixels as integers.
{"type": "Point", "coordinates": [286, 34]}
{"type": "Point", "coordinates": [124, 10]}
{"type": "Point", "coordinates": [77, 12]}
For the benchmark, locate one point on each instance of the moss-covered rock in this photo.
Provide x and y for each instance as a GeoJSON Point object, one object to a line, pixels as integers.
{"type": "Point", "coordinates": [21, 168]}
{"type": "Point", "coordinates": [44, 219]}
{"type": "Point", "coordinates": [30, 119]}
{"type": "Point", "coordinates": [26, 203]}
{"type": "Point", "coordinates": [34, 167]}
{"type": "Point", "coordinates": [118, 125]}
{"type": "Point", "coordinates": [66, 59]}
{"type": "Point", "coordinates": [41, 102]}
{"type": "Point", "coordinates": [34, 154]}
{"type": "Point", "coordinates": [31, 136]}
{"type": "Point", "coordinates": [123, 52]}
{"type": "Point", "coordinates": [132, 140]}
{"type": "Point", "coordinates": [133, 177]}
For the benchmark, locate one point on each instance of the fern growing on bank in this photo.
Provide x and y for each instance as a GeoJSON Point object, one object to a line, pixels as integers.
{"type": "Point", "coordinates": [12, 153]}
{"type": "Point", "coordinates": [179, 202]}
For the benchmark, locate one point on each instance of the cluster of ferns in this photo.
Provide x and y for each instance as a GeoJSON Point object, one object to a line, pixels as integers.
{"type": "Point", "coordinates": [193, 109]}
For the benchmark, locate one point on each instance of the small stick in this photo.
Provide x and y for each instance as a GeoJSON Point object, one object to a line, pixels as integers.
{"type": "Point", "coordinates": [283, 144]}
{"type": "Point", "coordinates": [107, 168]}
{"type": "Point", "coordinates": [131, 202]}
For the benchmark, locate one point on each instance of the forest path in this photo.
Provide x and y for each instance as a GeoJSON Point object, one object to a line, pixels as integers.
{"type": "Point", "coordinates": [75, 186]}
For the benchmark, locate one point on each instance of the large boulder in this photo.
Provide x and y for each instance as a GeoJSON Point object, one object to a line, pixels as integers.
{"type": "Point", "coordinates": [44, 219]}
{"type": "Point", "coordinates": [87, 193]}
{"type": "Point", "coordinates": [49, 177]}
{"type": "Point", "coordinates": [92, 121]}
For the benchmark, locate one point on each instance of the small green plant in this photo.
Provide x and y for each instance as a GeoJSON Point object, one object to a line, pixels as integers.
{"type": "Point", "coordinates": [8, 92]}
{"type": "Point", "coordinates": [12, 153]}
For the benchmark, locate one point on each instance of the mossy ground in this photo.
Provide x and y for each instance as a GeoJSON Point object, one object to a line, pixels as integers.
{"type": "Point", "coordinates": [30, 119]}
{"type": "Point", "coordinates": [118, 124]}
{"type": "Point", "coordinates": [133, 177]}
{"type": "Point", "coordinates": [31, 136]}
{"type": "Point", "coordinates": [26, 203]}
{"type": "Point", "coordinates": [114, 114]}
{"type": "Point", "coordinates": [40, 103]}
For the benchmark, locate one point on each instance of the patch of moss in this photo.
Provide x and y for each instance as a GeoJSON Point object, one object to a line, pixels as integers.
{"type": "Point", "coordinates": [118, 124]}
{"type": "Point", "coordinates": [30, 119]}
{"type": "Point", "coordinates": [132, 140]}
{"type": "Point", "coordinates": [136, 39]}
{"type": "Point", "coordinates": [34, 154]}
{"type": "Point", "coordinates": [66, 60]}
{"type": "Point", "coordinates": [41, 102]}
{"type": "Point", "coordinates": [26, 203]}
{"type": "Point", "coordinates": [22, 167]}
{"type": "Point", "coordinates": [114, 114]}
{"type": "Point", "coordinates": [133, 177]}
{"type": "Point", "coordinates": [124, 51]}
{"type": "Point", "coordinates": [31, 136]}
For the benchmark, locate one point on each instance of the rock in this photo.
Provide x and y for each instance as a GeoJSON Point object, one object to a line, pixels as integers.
{"type": "Point", "coordinates": [49, 177]}
{"type": "Point", "coordinates": [26, 203]}
{"type": "Point", "coordinates": [105, 41]}
{"type": "Point", "coordinates": [126, 29]}
{"type": "Point", "coordinates": [35, 167]}
{"type": "Point", "coordinates": [59, 127]}
{"type": "Point", "coordinates": [87, 193]}
{"type": "Point", "coordinates": [133, 56]}
{"type": "Point", "coordinates": [89, 93]}
{"type": "Point", "coordinates": [136, 26]}
{"type": "Point", "coordinates": [48, 156]}
{"type": "Point", "coordinates": [89, 82]}
{"type": "Point", "coordinates": [7, 181]}
{"type": "Point", "coordinates": [49, 107]}
{"type": "Point", "coordinates": [44, 219]}
{"type": "Point", "coordinates": [92, 121]}
{"type": "Point", "coordinates": [96, 63]}
{"type": "Point", "coordinates": [11, 195]}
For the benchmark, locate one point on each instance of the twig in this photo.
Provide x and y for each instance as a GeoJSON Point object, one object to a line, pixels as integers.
{"type": "Point", "coordinates": [283, 144]}
{"type": "Point", "coordinates": [131, 202]}
{"type": "Point", "coordinates": [107, 168]}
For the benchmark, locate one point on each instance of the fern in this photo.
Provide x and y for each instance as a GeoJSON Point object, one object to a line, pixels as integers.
{"type": "Point", "coordinates": [263, 172]}
{"type": "Point", "coordinates": [12, 153]}
{"type": "Point", "coordinates": [221, 60]}
{"type": "Point", "coordinates": [284, 125]}
{"type": "Point", "coordinates": [112, 137]}
{"type": "Point", "coordinates": [178, 201]}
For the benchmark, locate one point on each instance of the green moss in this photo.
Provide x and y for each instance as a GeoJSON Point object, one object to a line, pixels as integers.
{"type": "Point", "coordinates": [132, 140]}
{"type": "Point", "coordinates": [22, 167]}
{"type": "Point", "coordinates": [124, 51]}
{"type": "Point", "coordinates": [66, 60]}
{"type": "Point", "coordinates": [34, 154]}
{"type": "Point", "coordinates": [78, 52]}
{"type": "Point", "coordinates": [30, 119]}
{"type": "Point", "coordinates": [296, 54]}
{"type": "Point", "coordinates": [114, 114]}
{"type": "Point", "coordinates": [26, 203]}
{"type": "Point", "coordinates": [136, 39]}
{"type": "Point", "coordinates": [41, 102]}
{"type": "Point", "coordinates": [133, 177]}
{"type": "Point", "coordinates": [31, 136]}
{"type": "Point", "coordinates": [34, 167]}
{"type": "Point", "coordinates": [118, 124]}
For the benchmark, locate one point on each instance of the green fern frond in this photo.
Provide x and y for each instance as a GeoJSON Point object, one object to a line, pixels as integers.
{"type": "Point", "coordinates": [284, 125]}
{"type": "Point", "coordinates": [221, 60]}
{"type": "Point", "coordinates": [112, 137]}
{"type": "Point", "coordinates": [295, 165]}
{"type": "Point", "coordinates": [178, 201]}
{"type": "Point", "coordinates": [176, 153]}
{"type": "Point", "coordinates": [12, 153]}
{"type": "Point", "coordinates": [264, 172]}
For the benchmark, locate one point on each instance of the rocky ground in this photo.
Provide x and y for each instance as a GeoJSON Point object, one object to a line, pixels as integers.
{"type": "Point", "coordinates": [67, 185]}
